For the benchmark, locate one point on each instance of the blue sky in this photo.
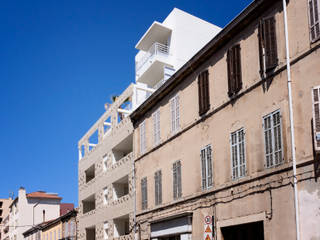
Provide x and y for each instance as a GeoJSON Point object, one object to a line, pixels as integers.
{"type": "Point", "coordinates": [60, 61]}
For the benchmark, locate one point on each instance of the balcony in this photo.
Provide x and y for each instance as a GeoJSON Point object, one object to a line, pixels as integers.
{"type": "Point", "coordinates": [121, 227]}
{"type": "Point", "coordinates": [150, 64]}
{"type": "Point", "coordinates": [89, 204]}
{"type": "Point", "coordinates": [121, 190]}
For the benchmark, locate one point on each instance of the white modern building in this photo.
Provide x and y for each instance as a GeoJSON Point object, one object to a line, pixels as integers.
{"type": "Point", "coordinates": [166, 46]}
{"type": "Point", "coordinates": [106, 190]}
{"type": "Point", "coordinates": [28, 210]}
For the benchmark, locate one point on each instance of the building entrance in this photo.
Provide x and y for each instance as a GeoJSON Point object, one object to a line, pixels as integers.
{"type": "Point", "coordinates": [249, 231]}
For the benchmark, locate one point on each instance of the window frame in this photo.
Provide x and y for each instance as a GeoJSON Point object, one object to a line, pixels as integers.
{"type": "Point", "coordinates": [273, 140]}
{"type": "Point", "coordinates": [205, 149]}
{"type": "Point", "coordinates": [237, 145]}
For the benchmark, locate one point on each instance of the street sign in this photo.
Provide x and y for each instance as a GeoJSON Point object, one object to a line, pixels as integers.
{"type": "Point", "coordinates": [208, 220]}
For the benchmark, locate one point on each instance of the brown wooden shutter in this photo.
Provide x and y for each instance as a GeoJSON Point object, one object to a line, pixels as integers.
{"type": "Point", "coordinates": [203, 92]}
{"type": "Point", "coordinates": [261, 46]}
{"type": "Point", "coordinates": [237, 62]}
{"type": "Point", "coordinates": [272, 57]}
{"type": "Point", "coordinates": [230, 71]}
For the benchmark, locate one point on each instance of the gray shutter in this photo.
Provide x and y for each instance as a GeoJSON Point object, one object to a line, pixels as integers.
{"type": "Point", "coordinates": [174, 175]}
{"type": "Point", "coordinates": [144, 197]}
{"type": "Point", "coordinates": [179, 179]}
{"type": "Point", "coordinates": [160, 187]}
{"type": "Point", "coordinates": [209, 163]}
{"type": "Point", "coordinates": [203, 168]}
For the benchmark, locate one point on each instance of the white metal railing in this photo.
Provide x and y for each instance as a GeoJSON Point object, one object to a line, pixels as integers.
{"type": "Point", "coordinates": [155, 49]}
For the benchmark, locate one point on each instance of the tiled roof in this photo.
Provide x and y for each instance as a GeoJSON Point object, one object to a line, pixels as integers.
{"type": "Point", "coordinates": [41, 194]}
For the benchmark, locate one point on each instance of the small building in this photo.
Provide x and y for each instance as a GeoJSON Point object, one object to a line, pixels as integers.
{"type": "Point", "coordinates": [31, 209]}
{"type": "Point", "coordinates": [4, 217]}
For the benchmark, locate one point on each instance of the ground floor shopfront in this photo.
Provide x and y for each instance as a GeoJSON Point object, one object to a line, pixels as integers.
{"type": "Point", "coordinates": [256, 208]}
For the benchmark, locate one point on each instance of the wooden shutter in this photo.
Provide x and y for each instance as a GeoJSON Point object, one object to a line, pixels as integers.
{"type": "Point", "coordinates": [173, 115]}
{"type": "Point", "coordinates": [179, 179]}
{"type": "Point", "coordinates": [230, 72]}
{"type": "Point", "coordinates": [144, 196]}
{"type": "Point", "coordinates": [177, 113]}
{"type": "Point", "coordinates": [314, 23]}
{"type": "Point", "coordinates": [209, 164]}
{"type": "Point", "coordinates": [203, 168]}
{"type": "Point", "coordinates": [237, 67]}
{"type": "Point", "coordinates": [203, 86]}
{"type": "Point", "coordinates": [270, 43]}
{"type": "Point", "coordinates": [158, 187]}
{"type": "Point", "coordinates": [234, 70]}
{"type": "Point", "coordinates": [316, 117]}
{"type": "Point", "coordinates": [261, 47]}
{"type": "Point", "coordinates": [174, 175]}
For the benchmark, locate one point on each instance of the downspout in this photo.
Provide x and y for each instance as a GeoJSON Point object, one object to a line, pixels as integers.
{"type": "Point", "coordinates": [134, 200]}
{"type": "Point", "coordinates": [293, 146]}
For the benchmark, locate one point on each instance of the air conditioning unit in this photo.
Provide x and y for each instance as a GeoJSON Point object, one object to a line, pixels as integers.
{"type": "Point", "coordinates": [316, 117]}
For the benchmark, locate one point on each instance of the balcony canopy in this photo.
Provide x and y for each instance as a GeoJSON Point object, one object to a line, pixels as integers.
{"type": "Point", "coordinates": [157, 32]}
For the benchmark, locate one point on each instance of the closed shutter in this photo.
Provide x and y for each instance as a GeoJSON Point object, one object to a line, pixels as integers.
{"type": "Point", "coordinates": [173, 115]}
{"type": "Point", "coordinates": [203, 86]}
{"type": "Point", "coordinates": [209, 165]}
{"type": "Point", "coordinates": [144, 197]}
{"type": "Point", "coordinates": [203, 168]}
{"type": "Point", "coordinates": [316, 117]}
{"type": "Point", "coordinates": [142, 137]}
{"type": "Point", "coordinates": [230, 72]}
{"type": "Point", "coordinates": [156, 127]}
{"type": "Point", "coordinates": [177, 113]}
{"type": "Point", "coordinates": [200, 93]}
{"type": "Point", "coordinates": [160, 187]}
{"type": "Point", "coordinates": [175, 183]}
{"type": "Point", "coordinates": [314, 24]}
{"type": "Point", "coordinates": [261, 47]}
{"type": "Point", "coordinates": [179, 190]}
{"type": "Point", "coordinates": [234, 70]}
{"type": "Point", "coordinates": [270, 43]}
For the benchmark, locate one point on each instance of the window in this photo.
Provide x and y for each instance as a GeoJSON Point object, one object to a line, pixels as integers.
{"type": "Point", "coordinates": [273, 139]}
{"type": "Point", "coordinates": [234, 70]}
{"type": "Point", "coordinates": [106, 230]}
{"type": "Point", "coordinates": [54, 235]}
{"type": "Point", "coordinates": [206, 167]}
{"type": "Point", "coordinates": [314, 23]}
{"type": "Point", "coordinates": [156, 127]}
{"type": "Point", "coordinates": [105, 195]}
{"type": "Point", "coordinates": [203, 92]}
{"type": "Point", "coordinates": [158, 187]}
{"type": "Point", "coordinates": [59, 233]}
{"type": "Point", "coordinates": [176, 170]}
{"type": "Point", "coordinates": [268, 55]}
{"type": "Point", "coordinates": [238, 156]}
{"type": "Point", "coordinates": [66, 229]}
{"type": "Point", "coordinates": [175, 114]}
{"type": "Point", "coordinates": [142, 137]}
{"type": "Point", "coordinates": [71, 229]}
{"type": "Point", "coordinates": [144, 193]}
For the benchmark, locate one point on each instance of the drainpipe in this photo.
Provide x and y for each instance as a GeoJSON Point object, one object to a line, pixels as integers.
{"type": "Point", "coordinates": [293, 147]}
{"type": "Point", "coordinates": [134, 200]}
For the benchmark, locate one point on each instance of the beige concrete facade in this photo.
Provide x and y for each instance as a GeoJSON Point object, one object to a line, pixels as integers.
{"type": "Point", "coordinates": [264, 195]}
{"type": "Point", "coordinates": [105, 199]}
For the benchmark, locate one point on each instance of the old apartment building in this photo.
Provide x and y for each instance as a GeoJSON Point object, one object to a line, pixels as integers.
{"type": "Point", "coordinates": [106, 203]}
{"type": "Point", "coordinates": [216, 139]}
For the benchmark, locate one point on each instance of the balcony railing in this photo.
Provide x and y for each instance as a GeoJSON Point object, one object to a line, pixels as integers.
{"type": "Point", "coordinates": [155, 49]}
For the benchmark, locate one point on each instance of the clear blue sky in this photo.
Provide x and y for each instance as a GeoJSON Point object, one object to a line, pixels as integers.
{"type": "Point", "coordinates": [60, 61]}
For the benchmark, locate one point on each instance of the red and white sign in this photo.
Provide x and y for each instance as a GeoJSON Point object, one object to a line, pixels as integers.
{"type": "Point", "coordinates": [208, 228]}
{"type": "Point", "coordinates": [208, 220]}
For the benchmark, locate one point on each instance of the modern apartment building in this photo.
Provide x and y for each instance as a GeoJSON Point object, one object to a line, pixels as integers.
{"type": "Point", "coordinates": [4, 216]}
{"type": "Point", "coordinates": [28, 210]}
{"type": "Point", "coordinates": [216, 145]}
{"type": "Point", "coordinates": [105, 152]}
